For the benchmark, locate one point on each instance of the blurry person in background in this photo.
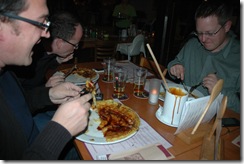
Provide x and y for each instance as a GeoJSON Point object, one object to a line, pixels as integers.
{"type": "Point", "coordinates": [124, 14]}
{"type": "Point", "coordinates": [213, 54]}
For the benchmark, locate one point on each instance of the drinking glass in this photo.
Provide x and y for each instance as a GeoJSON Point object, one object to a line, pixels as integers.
{"type": "Point", "coordinates": [119, 82]}
{"type": "Point", "coordinates": [109, 64]}
{"type": "Point", "coordinates": [140, 75]}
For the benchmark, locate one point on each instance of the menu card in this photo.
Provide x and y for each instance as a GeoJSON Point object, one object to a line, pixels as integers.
{"type": "Point", "coordinates": [144, 137]}
{"type": "Point", "coordinates": [193, 109]}
{"type": "Point", "coordinates": [237, 141]}
{"type": "Point", "coordinates": [149, 152]}
{"type": "Point", "coordinates": [130, 66]}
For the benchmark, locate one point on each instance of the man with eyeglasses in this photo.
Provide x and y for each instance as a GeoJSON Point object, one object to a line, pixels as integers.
{"type": "Point", "coordinates": [49, 54]}
{"type": "Point", "coordinates": [213, 54]}
{"type": "Point", "coordinates": [23, 23]}
{"type": "Point", "coordinates": [66, 32]}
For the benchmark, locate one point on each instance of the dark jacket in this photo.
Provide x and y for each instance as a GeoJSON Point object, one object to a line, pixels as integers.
{"type": "Point", "coordinates": [14, 144]}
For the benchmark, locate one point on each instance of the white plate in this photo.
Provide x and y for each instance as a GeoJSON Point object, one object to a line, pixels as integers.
{"type": "Point", "coordinates": [158, 116]}
{"type": "Point", "coordinates": [94, 136]}
{"type": "Point", "coordinates": [162, 91]}
{"type": "Point", "coordinates": [78, 80]}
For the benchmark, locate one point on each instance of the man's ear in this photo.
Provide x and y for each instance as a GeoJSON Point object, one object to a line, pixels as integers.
{"type": "Point", "coordinates": [228, 25]}
{"type": "Point", "coordinates": [58, 43]}
{"type": "Point", "coordinates": [1, 30]}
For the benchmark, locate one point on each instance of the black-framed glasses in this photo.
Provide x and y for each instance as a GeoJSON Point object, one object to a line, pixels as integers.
{"type": "Point", "coordinates": [76, 46]}
{"type": "Point", "coordinates": [43, 26]}
{"type": "Point", "coordinates": [209, 34]}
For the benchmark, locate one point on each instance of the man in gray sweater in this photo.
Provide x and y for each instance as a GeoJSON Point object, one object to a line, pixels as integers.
{"type": "Point", "coordinates": [213, 54]}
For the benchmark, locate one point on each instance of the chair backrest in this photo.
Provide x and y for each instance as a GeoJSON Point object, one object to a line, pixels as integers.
{"type": "Point", "coordinates": [151, 66]}
{"type": "Point", "coordinates": [135, 47]}
{"type": "Point", "coordinates": [104, 49]}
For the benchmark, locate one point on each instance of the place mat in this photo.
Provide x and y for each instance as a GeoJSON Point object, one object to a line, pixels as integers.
{"type": "Point", "coordinates": [144, 95]}
{"type": "Point", "coordinates": [130, 67]}
{"type": "Point", "coordinates": [148, 152]}
{"type": "Point", "coordinates": [123, 98]}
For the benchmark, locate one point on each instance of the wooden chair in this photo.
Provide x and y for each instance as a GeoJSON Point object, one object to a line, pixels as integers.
{"type": "Point", "coordinates": [104, 49]}
{"type": "Point", "coordinates": [151, 66]}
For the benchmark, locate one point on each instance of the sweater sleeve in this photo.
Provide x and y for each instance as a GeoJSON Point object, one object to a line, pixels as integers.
{"type": "Point", "coordinates": [49, 143]}
{"type": "Point", "coordinates": [177, 60]}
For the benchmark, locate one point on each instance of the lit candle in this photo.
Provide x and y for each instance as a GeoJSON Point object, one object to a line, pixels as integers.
{"type": "Point", "coordinates": [153, 96]}
{"type": "Point", "coordinates": [154, 92]}
{"type": "Point", "coordinates": [154, 88]}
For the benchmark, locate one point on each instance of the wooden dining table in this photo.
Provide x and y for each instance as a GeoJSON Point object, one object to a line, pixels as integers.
{"type": "Point", "coordinates": [180, 149]}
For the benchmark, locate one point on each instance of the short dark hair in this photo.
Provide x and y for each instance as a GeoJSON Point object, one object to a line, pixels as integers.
{"type": "Point", "coordinates": [222, 10]}
{"type": "Point", "coordinates": [12, 7]}
{"type": "Point", "coordinates": [63, 25]}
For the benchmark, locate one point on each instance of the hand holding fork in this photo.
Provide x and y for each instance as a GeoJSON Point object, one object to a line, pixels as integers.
{"type": "Point", "coordinates": [194, 87]}
{"type": "Point", "coordinates": [197, 85]}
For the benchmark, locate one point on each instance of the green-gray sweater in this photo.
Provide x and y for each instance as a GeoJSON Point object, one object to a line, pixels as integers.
{"type": "Point", "coordinates": [198, 62]}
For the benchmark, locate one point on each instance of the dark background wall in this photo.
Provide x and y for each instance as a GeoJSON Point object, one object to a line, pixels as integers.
{"type": "Point", "coordinates": [171, 20]}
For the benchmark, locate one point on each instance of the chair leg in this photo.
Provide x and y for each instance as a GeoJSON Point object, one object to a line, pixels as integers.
{"type": "Point", "coordinates": [134, 59]}
{"type": "Point", "coordinates": [117, 55]}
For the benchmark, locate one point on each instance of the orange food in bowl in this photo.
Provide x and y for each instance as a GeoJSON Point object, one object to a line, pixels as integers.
{"type": "Point", "coordinates": [177, 91]}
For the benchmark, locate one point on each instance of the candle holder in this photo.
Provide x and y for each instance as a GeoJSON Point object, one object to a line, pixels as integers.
{"type": "Point", "coordinates": [154, 89]}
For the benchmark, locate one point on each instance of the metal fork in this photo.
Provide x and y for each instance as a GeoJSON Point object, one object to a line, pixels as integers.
{"type": "Point", "coordinates": [197, 85]}
{"type": "Point", "coordinates": [194, 87]}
